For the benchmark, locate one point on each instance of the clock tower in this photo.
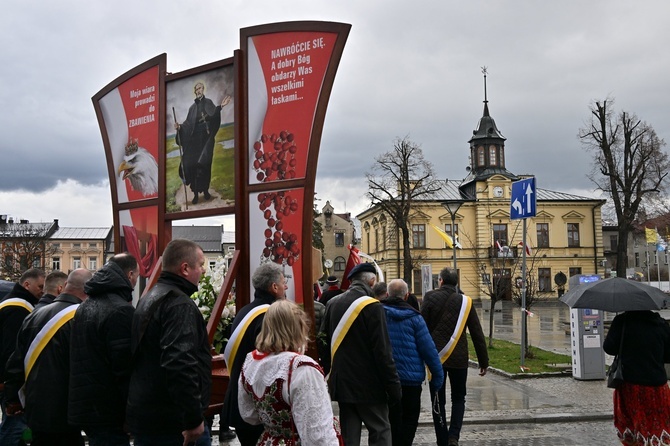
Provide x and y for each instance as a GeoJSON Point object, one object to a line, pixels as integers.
{"type": "Point", "coordinates": [487, 156]}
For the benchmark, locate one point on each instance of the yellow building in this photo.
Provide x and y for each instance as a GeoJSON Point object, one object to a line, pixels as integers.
{"type": "Point", "coordinates": [565, 236]}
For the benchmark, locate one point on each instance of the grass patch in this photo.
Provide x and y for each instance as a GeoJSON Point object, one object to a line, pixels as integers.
{"type": "Point", "coordinates": [506, 356]}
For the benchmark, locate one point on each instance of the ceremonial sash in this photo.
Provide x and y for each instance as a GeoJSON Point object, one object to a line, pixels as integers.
{"type": "Point", "coordinates": [458, 331]}
{"type": "Point", "coordinates": [17, 302]}
{"type": "Point", "coordinates": [347, 320]}
{"type": "Point", "coordinates": [236, 337]}
{"type": "Point", "coordinates": [44, 336]}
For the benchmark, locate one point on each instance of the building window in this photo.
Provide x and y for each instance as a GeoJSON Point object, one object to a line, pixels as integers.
{"type": "Point", "coordinates": [544, 279]}
{"type": "Point", "coordinates": [573, 235]}
{"type": "Point", "coordinates": [231, 248]}
{"type": "Point", "coordinates": [480, 157]}
{"type": "Point", "coordinates": [376, 240]}
{"type": "Point", "coordinates": [55, 263]}
{"type": "Point", "coordinates": [339, 239]}
{"type": "Point", "coordinates": [92, 245]}
{"type": "Point", "coordinates": [574, 271]}
{"type": "Point", "coordinates": [447, 229]}
{"type": "Point", "coordinates": [492, 155]}
{"type": "Point", "coordinates": [614, 242]}
{"type": "Point", "coordinates": [36, 263]}
{"type": "Point", "coordinates": [416, 279]}
{"type": "Point", "coordinates": [212, 265]}
{"type": "Point", "coordinates": [384, 238]}
{"type": "Point", "coordinates": [92, 263]}
{"type": "Point", "coordinates": [339, 264]}
{"type": "Point", "coordinates": [637, 259]}
{"type": "Point", "coordinates": [500, 234]}
{"type": "Point", "coordinates": [76, 245]}
{"type": "Point", "coordinates": [55, 245]}
{"type": "Point", "coordinates": [76, 262]}
{"type": "Point", "coordinates": [543, 235]}
{"type": "Point", "coordinates": [419, 236]}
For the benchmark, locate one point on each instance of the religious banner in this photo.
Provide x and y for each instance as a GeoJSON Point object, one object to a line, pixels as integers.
{"type": "Point", "coordinates": [200, 141]}
{"type": "Point", "coordinates": [128, 111]}
{"type": "Point", "coordinates": [290, 69]}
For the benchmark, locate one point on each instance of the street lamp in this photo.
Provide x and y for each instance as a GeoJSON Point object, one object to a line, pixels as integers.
{"type": "Point", "coordinates": [452, 207]}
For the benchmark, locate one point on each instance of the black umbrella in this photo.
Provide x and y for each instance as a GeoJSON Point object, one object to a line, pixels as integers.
{"type": "Point", "coordinates": [616, 295]}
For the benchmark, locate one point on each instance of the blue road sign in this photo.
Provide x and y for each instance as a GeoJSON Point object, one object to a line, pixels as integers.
{"type": "Point", "coordinates": [523, 201]}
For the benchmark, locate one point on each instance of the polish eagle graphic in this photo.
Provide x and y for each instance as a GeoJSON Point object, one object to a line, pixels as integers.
{"type": "Point", "coordinates": [140, 168]}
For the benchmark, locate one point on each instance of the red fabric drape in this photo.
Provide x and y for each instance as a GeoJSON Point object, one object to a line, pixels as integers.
{"type": "Point", "coordinates": [147, 261]}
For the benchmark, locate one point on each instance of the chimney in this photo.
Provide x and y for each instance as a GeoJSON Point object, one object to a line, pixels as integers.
{"type": "Point", "coordinates": [3, 219]}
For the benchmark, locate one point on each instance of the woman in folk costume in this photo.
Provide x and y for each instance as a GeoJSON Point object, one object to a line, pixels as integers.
{"type": "Point", "coordinates": [282, 388]}
{"type": "Point", "coordinates": [641, 339]}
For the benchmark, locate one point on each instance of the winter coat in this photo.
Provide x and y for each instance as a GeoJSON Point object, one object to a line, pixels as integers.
{"type": "Point", "coordinates": [100, 350]}
{"type": "Point", "coordinates": [440, 310]}
{"type": "Point", "coordinates": [230, 413]}
{"type": "Point", "coordinates": [413, 347]}
{"type": "Point", "coordinates": [363, 370]}
{"type": "Point", "coordinates": [172, 364]}
{"type": "Point", "coordinates": [646, 346]}
{"type": "Point", "coordinates": [46, 388]}
{"type": "Point", "coordinates": [11, 318]}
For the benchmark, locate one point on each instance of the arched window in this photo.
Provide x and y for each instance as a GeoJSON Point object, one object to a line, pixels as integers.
{"type": "Point", "coordinates": [480, 157]}
{"type": "Point", "coordinates": [492, 155]}
{"type": "Point", "coordinates": [339, 264]}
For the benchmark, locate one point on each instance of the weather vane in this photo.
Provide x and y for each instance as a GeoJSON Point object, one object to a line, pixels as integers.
{"type": "Point", "coordinates": [485, 72]}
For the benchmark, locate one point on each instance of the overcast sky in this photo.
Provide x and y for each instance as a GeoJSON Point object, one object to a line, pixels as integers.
{"type": "Point", "coordinates": [408, 68]}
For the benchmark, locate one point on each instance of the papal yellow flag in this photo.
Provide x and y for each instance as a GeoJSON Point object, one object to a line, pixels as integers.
{"type": "Point", "coordinates": [651, 235]}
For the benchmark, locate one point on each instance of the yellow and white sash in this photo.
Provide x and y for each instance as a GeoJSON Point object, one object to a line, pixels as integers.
{"type": "Point", "coordinates": [458, 330]}
{"type": "Point", "coordinates": [44, 336]}
{"type": "Point", "coordinates": [347, 320]}
{"type": "Point", "coordinates": [17, 302]}
{"type": "Point", "coordinates": [236, 337]}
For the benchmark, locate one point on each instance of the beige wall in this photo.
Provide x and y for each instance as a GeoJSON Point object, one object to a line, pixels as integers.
{"type": "Point", "coordinates": [475, 222]}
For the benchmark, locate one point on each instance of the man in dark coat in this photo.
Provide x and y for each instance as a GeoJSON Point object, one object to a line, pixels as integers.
{"type": "Point", "coordinates": [171, 375]}
{"type": "Point", "coordinates": [196, 135]}
{"type": "Point", "coordinates": [100, 355]}
{"type": "Point", "coordinates": [45, 372]}
{"type": "Point", "coordinates": [363, 377]}
{"type": "Point", "coordinates": [444, 310]}
{"type": "Point", "coordinates": [53, 286]}
{"type": "Point", "coordinates": [269, 285]}
{"type": "Point", "coordinates": [332, 290]}
{"type": "Point", "coordinates": [14, 308]}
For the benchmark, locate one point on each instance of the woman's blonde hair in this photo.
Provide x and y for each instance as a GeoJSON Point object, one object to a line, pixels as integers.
{"type": "Point", "coordinates": [285, 328]}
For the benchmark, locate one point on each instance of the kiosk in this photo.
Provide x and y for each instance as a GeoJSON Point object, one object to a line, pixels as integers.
{"type": "Point", "coordinates": [586, 337]}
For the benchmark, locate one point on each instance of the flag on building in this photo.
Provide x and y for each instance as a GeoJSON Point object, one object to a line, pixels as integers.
{"type": "Point", "coordinates": [528, 250]}
{"type": "Point", "coordinates": [651, 235]}
{"type": "Point", "coordinates": [447, 238]}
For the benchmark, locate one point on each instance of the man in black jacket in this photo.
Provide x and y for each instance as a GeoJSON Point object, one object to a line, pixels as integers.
{"type": "Point", "coordinates": [172, 364]}
{"type": "Point", "coordinates": [269, 285]}
{"type": "Point", "coordinates": [100, 353]}
{"type": "Point", "coordinates": [45, 371]}
{"type": "Point", "coordinates": [13, 310]}
{"type": "Point", "coordinates": [448, 313]}
{"type": "Point", "coordinates": [363, 376]}
{"type": "Point", "coordinates": [53, 286]}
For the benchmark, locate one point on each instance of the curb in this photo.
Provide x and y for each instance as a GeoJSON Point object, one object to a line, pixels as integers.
{"type": "Point", "coordinates": [562, 417]}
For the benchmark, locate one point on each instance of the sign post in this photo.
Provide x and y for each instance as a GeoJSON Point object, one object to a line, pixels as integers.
{"type": "Point", "coordinates": [523, 204]}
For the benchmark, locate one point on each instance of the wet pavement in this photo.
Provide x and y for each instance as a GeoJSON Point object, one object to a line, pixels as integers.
{"type": "Point", "coordinates": [554, 410]}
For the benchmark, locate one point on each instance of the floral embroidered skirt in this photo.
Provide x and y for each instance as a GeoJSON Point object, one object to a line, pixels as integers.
{"type": "Point", "coordinates": [642, 414]}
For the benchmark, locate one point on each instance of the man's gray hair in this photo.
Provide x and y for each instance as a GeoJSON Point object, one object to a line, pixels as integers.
{"type": "Point", "coordinates": [364, 276]}
{"type": "Point", "coordinates": [397, 288]}
{"type": "Point", "coordinates": [265, 275]}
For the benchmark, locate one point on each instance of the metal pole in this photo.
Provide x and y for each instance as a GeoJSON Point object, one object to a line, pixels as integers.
{"type": "Point", "coordinates": [453, 239]}
{"type": "Point", "coordinates": [523, 297]}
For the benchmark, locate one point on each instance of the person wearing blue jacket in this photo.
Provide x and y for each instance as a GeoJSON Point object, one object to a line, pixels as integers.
{"type": "Point", "coordinates": [413, 348]}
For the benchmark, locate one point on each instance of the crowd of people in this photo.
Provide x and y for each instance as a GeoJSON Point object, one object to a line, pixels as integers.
{"type": "Point", "coordinates": [75, 355]}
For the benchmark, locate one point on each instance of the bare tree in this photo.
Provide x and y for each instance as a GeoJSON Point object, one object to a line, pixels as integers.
{"type": "Point", "coordinates": [397, 179]}
{"type": "Point", "coordinates": [629, 165]}
{"type": "Point", "coordinates": [24, 246]}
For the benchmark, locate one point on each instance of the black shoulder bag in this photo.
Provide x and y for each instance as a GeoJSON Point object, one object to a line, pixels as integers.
{"type": "Point", "coordinates": [615, 373]}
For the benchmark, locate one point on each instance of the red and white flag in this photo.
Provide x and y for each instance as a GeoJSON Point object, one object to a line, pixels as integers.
{"type": "Point", "coordinates": [528, 251]}
{"type": "Point", "coordinates": [499, 246]}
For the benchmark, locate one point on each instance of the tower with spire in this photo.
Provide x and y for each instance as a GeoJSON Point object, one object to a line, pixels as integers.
{"type": "Point", "coordinates": [487, 150]}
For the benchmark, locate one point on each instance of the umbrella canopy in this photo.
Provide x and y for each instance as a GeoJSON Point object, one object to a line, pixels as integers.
{"type": "Point", "coordinates": [616, 295]}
